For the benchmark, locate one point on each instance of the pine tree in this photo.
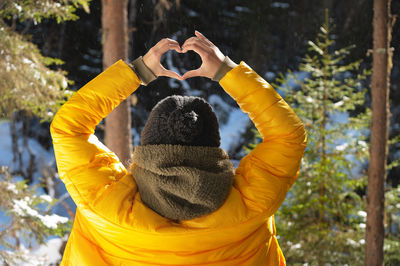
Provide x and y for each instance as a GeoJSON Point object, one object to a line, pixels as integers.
{"type": "Point", "coordinates": [30, 219]}
{"type": "Point", "coordinates": [322, 219]}
{"type": "Point", "coordinates": [26, 81]}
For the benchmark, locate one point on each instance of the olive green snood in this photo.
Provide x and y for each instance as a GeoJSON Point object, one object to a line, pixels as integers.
{"type": "Point", "coordinates": [182, 182]}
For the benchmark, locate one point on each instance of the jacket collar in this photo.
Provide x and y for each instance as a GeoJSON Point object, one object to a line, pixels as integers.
{"type": "Point", "coordinates": [182, 182]}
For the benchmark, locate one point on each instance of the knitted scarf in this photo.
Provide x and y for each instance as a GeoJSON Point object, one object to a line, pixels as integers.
{"type": "Point", "coordinates": [182, 182]}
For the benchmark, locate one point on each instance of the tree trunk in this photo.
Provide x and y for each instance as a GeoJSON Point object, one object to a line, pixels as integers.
{"type": "Point", "coordinates": [379, 133]}
{"type": "Point", "coordinates": [115, 46]}
{"type": "Point", "coordinates": [132, 27]}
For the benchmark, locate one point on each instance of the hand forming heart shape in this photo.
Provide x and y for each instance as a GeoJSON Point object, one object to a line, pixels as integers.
{"type": "Point", "coordinates": [211, 57]}
{"type": "Point", "coordinates": [181, 62]}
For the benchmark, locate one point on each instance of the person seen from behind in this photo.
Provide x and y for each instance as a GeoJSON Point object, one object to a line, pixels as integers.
{"type": "Point", "coordinates": [181, 202]}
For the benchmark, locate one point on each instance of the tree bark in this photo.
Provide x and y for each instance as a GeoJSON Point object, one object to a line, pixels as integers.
{"type": "Point", "coordinates": [379, 133]}
{"type": "Point", "coordinates": [132, 27]}
{"type": "Point", "coordinates": [115, 46]}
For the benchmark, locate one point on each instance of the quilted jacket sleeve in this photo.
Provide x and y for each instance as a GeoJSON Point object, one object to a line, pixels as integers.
{"type": "Point", "coordinates": [85, 165]}
{"type": "Point", "coordinates": [266, 174]}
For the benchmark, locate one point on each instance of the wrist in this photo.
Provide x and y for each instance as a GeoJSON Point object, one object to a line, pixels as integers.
{"type": "Point", "coordinates": [144, 73]}
{"type": "Point", "coordinates": [226, 66]}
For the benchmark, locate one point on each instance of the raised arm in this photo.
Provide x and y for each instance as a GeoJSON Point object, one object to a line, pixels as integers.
{"type": "Point", "coordinates": [266, 174]}
{"type": "Point", "coordinates": [78, 151]}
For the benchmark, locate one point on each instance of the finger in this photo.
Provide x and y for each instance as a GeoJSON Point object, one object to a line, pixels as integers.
{"type": "Point", "coordinates": [196, 47]}
{"type": "Point", "coordinates": [169, 73]}
{"type": "Point", "coordinates": [160, 43]}
{"type": "Point", "coordinates": [174, 45]}
{"type": "Point", "coordinates": [172, 74]}
{"type": "Point", "coordinates": [203, 38]}
{"type": "Point", "coordinates": [200, 35]}
{"type": "Point", "coordinates": [171, 40]}
{"type": "Point", "coordinates": [193, 73]}
{"type": "Point", "coordinates": [197, 40]}
{"type": "Point", "coordinates": [168, 44]}
{"type": "Point", "coordinates": [165, 41]}
{"type": "Point", "coordinates": [190, 40]}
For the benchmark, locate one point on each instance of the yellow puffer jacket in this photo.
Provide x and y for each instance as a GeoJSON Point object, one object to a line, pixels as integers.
{"type": "Point", "coordinates": [113, 227]}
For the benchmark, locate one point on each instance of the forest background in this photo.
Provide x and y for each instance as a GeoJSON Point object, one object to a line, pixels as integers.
{"type": "Point", "coordinates": [272, 37]}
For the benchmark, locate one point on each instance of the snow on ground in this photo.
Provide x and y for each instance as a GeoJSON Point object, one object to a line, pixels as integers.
{"type": "Point", "coordinates": [43, 157]}
{"type": "Point", "coordinates": [5, 144]}
{"type": "Point", "coordinates": [47, 253]}
{"type": "Point", "coordinates": [236, 124]}
{"type": "Point", "coordinates": [231, 132]}
{"type": "Point", "coordinates": [50, 251]}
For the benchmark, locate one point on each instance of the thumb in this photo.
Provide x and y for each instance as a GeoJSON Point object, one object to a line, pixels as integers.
{"type": "Point", "coordinates": [193, 73]}
{"type": "Point", "coordinates": [172, 74]}
{"type": "Point", "coordinates": [169, 73]}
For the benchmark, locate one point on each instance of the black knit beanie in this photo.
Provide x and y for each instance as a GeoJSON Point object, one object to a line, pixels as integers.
{"type": "Point", "coordinates": [182, 120]}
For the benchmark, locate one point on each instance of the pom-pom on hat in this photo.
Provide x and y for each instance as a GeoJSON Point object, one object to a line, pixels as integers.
{"type": "Point", "coordinates": [182, 120]}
